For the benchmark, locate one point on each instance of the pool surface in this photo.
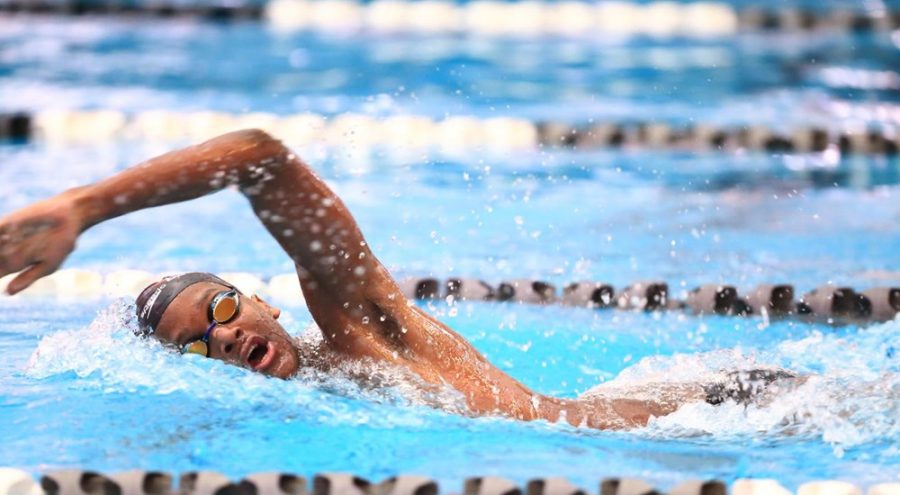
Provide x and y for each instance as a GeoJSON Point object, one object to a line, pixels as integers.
{"type": "Point", "coordinates": [78, 390]}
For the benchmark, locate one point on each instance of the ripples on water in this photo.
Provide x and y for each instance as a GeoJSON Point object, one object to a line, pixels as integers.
{"type": "Point", "coordinates": [851, 398]}
{"type": "Point", "coordinates": [96, 395]}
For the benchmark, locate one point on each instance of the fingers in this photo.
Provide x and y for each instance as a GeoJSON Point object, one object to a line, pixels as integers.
{"type": "Point", "coordinates": [12, 254]}
{"type": "Point", "coordinates": [27, 277]}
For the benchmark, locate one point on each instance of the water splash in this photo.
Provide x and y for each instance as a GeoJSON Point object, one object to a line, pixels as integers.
{"type": "Point", "coordinates": [851, 398]}
{"type": "Point", "coordinates": [107, 355]}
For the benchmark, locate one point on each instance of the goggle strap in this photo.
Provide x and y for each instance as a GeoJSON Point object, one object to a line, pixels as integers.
{"type": "Point", "coordinates": [209, 330]}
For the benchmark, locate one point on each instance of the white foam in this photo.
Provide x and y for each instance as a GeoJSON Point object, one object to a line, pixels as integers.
{"type": "Point", "coordinates": [852, 396]}
{"type": "Point", "coordinates": [108, 356]}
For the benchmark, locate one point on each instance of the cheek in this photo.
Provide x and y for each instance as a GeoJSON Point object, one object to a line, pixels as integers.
{"type": "Point", "coordinates": [164, 336]}
{"type": "Point", "coordinates": [268, 327]}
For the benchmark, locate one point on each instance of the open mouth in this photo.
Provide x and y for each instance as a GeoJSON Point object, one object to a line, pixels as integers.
{"type": "Point", "coordinates": [258, 353]}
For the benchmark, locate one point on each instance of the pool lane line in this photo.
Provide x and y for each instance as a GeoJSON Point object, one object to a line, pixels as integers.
{"type": "Point", "coordinates": [828, 303]}
{"type": "Point", "coordinates": [140, 482]}
{"type": "Point", "coordinates": [128, 10]}
{"type": "Point", "coordinates": [452, 134]}
{"type": "Point", "coordinates": [491, 17]}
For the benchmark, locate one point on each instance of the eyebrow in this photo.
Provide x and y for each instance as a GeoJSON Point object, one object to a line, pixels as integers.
{"type": "Point", "coordinates": [201, 304]}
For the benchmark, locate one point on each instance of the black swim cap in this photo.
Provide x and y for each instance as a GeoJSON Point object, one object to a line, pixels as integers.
{"type": "Point", "coordinates": [154, 300]}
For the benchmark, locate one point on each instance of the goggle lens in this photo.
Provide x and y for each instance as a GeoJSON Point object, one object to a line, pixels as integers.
{"type": "Point", "coordinates": [197, 347]}
{"type": "Point", "coordinates": [222, 309]}
{"type": "Point", "coordinates": [225, 307]}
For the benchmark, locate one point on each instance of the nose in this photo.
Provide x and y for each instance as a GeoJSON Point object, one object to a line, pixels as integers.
{"type": "Point", "coordinates": [227, 339]}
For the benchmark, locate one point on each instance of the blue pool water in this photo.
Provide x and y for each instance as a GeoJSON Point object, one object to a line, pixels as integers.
{"type": "Point", "coordinates": [76, 389]}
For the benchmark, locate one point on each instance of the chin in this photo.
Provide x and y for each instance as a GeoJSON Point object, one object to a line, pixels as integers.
{"type": "Point", "coordinates": [285, 367]}
{"type": "Point", "coordinates": [280, 372]}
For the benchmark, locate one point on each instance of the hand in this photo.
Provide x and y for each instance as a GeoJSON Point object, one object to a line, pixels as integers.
{"type": "Point", "coordinates": [37, 239]}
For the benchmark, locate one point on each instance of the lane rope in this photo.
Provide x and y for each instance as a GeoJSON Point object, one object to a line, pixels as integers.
{"type": "Point", "coordinates": [452, 134]}
{"type": "Point", "coordinates": [829, 302]}
{"type": "Point", "coordinates": [492, 17]}
{"type": "Point", "coordinates": [17, 482]}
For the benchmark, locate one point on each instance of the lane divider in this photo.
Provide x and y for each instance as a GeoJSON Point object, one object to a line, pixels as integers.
{"type": "Point", "coordinates": [451, 134]}
{"type": "Point", "coordinates": [830, 303]}
{"type": "Point", "coordinates": [491, 17]}
{"type": "Point", "coordinates": [497, 18]}
{"type": "Point", "coordinates": [139, 482]}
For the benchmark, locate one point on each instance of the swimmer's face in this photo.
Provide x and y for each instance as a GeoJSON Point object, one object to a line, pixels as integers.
{"type": "Point", "coordinates": [252, 339]}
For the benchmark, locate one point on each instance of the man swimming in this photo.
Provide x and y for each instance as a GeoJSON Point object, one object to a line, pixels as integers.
{"type": "Point", "coordinates": [355, 302]}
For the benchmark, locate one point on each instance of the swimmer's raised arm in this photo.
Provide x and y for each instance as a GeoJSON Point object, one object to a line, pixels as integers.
{"type": "Point", "coordinates": [354, 300]}
{"type": "Point", "coordinates": [308, 220]}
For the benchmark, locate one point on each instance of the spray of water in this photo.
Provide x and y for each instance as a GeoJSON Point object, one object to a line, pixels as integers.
{"type": "Point", "coordinates": [851, 396]}
{"type": "Point", "coordinates": [107, 355]}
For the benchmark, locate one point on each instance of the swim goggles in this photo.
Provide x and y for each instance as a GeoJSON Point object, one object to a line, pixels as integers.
{"type": "Point", "coordinates": [223, 308]}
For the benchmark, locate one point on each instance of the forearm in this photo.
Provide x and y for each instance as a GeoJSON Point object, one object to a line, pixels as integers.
{"type": "Point", "coordinates": [237, 158]}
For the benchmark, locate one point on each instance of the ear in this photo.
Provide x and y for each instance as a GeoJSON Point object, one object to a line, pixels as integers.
{"type": "Point", "coordinates": [275, 312]}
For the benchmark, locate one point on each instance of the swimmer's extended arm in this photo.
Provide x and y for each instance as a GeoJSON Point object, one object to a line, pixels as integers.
{"type": "Point", "coordinates": [352, 297]}
{"type": "Point", "coordinates": [345, 285]}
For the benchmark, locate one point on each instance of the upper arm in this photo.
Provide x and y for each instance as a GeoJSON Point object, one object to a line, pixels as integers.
{"type": "Point", "coordinates": [308, 220]}
{"type": "Point", "coordinates": [349, 292]}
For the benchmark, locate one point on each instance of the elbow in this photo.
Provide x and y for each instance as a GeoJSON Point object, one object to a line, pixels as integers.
{"type": "Point", "coordinates": [268, 150]}
{"type": "Point", "coordinates": [259, 138]}
{"type": "Point", "coordinates": [260, 156]}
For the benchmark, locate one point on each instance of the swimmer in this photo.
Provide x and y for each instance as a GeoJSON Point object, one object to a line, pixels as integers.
{"type": "Point", "coordinates": [355, 302]}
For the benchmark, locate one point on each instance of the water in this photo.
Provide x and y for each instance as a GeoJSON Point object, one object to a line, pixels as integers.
{"type": "Point", "coordinates": [85, 389]}
{"type": "Point", "coordinates": [78, 389]}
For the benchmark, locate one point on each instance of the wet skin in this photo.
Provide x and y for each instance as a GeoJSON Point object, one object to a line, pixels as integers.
{"type": "Point", "coordinates": [253, 331]}
{"type": "Point", "coordinates": [355, 302]}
